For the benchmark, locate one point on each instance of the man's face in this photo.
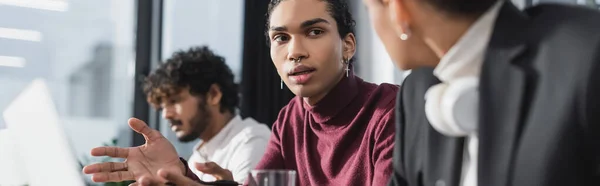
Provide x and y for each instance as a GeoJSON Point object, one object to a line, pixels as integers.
{"type": "Point", "coordinates": [187, 114]}
{"type": "Point", "coordinates": [406, 54]}
{"type": "Point", "coordinates": [305, 29]}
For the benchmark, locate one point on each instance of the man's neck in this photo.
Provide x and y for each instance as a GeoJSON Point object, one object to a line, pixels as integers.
{"type": "Point", "coordinates": [313, 100]}
{"type": "Point", "coordinates": [218, 122]}
{"type": "Point", "coordinates": [442, 31]}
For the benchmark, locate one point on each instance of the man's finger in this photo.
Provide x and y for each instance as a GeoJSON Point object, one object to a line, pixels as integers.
{"type": "Point", "coordinates": [209, 168]}
{"type": "Point", "coordinates": [113, 176]}
{"type": "Point", "coordinates": [215, 170]}
{"type": "Point", "coordinates": [141, 127]}
{"type": "Point", "coordinates": [147, 181]}
{"type": "Point", "coordinates": [177, 179]}
{"type": "Point", "coordinates": [105, 167]}
{"type": "Point", "coordinates": [115, 152]}
{"type": "Point", "coordinates": [144, 181]}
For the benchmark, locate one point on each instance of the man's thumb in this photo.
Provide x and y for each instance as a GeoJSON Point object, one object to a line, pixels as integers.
{"type": "Point", "coordinates": [209, 167]}
{"type": "Point", "coordinates": [141, 127]}
{"type": "Point", "coordinates": [203, 166]}
{"type": "Point", "coordinates": [215, 170]}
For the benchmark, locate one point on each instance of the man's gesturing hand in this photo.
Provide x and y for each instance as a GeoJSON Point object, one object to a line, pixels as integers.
{"type": "Point", "coordinates": [141, 161]}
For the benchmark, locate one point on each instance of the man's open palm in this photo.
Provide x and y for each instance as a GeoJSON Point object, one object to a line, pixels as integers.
{"type": "Point", "coordinates": [145, 160]}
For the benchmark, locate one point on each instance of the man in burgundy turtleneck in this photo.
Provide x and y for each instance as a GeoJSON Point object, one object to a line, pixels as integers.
{"type": "Point", "coordinates": [339, 130]}
{"type": "Point", "coordinates": [344, 139]}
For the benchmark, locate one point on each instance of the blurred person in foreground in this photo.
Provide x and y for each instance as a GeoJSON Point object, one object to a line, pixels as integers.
{"type": "Point", "coordinates": [497, 96]}
{"type": "Point", "coordinates": [196, 93]}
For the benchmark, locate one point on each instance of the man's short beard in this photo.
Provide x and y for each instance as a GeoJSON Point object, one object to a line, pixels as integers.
{"type": "Point", "coordinates": [199, 123]}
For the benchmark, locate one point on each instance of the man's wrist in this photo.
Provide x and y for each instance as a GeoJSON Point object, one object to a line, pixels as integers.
{"type": "Point", "coordinates": [183, 166]}
{"type": "Point", "coordinates": [186, 170]}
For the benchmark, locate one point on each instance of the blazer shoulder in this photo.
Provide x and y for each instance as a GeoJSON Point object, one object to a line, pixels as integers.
{"type": "Point", "coordinates": [417, 82]}
{"type": "Point", "coordinates": [571, 17]}
{"type": "Point", "coordinates": [571, 29]}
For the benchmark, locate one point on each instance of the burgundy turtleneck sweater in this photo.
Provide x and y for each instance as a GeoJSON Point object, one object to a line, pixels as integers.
{"type": "Point", "coordinates": [347, 138]}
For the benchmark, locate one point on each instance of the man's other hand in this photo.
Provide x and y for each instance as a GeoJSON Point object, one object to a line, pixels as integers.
{"type": "Point", "coordinates": [168, 176]}
{"type": "Point", "coordinates": [215, 170]}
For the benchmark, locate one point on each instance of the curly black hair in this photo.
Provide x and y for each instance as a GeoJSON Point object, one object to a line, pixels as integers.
{"type": "Point", "coordinates": [196, 69]}
{"type": "Point", "coordinates": [463, 7]}
{"type": "Point", "coordinates": [338, 9]}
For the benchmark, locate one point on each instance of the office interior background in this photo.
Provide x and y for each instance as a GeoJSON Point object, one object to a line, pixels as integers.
{"type": "Point", "coordinates": [94, 53]}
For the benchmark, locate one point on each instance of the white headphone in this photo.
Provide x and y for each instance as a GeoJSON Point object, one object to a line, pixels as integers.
{"type": "Point", "coordinates": [452, 107]}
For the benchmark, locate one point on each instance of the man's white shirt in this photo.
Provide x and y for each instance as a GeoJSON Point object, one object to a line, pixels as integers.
{"type": "Point", "coordinates": [238, 147]}
{"type": "Point", "coordinates": [463, 59]}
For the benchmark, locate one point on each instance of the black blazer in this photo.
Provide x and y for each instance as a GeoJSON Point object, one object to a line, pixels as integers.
{"type": "Point", "coordinates": [539, 117]}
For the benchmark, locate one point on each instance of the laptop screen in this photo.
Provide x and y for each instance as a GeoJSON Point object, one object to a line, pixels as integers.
{"type": "Point", "coordinates": [41, 143]}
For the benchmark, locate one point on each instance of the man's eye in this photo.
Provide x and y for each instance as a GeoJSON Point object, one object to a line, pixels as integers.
{"type": "Point", "coordinates": [315, 32]}
{"type": "Point", "coordinates": [280, 38]}
{"type": "Point", "coordinates": [172, 101]}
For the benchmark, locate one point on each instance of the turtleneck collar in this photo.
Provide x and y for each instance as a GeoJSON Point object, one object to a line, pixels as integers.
{"type": "Point", "coordinates": [337, 99]}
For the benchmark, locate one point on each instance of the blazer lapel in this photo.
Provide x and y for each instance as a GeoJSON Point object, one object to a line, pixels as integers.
{"type": "Point", "coordinates": [443, 155]}
{"type": "Point", "coordinates": [502, 88]}
{"type": "Point", "coordinates": [444, 158]}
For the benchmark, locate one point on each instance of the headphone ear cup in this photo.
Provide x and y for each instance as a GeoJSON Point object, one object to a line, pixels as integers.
{"type": "Point", "coordinates": [460, 104]}
{"type": "Point", "coordinates": [433, 109]}
{"type": "Point", "coordinates": [452, 109]}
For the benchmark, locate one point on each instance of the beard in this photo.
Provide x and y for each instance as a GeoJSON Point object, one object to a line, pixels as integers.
{"type": "Point", "coordinates": [198, 124]}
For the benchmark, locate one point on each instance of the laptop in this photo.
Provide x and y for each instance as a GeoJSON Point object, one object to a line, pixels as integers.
{"type": "Point", "coordinates": [45, 155]}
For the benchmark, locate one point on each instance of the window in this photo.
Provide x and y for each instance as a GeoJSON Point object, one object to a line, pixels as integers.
{"type": "Point", "coordinates": [85, 50]}
{"type": "Point", "coordinates": [373, 62]}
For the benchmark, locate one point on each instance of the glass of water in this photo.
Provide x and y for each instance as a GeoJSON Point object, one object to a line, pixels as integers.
{"type": "Point", "coordinates": [272, 178]}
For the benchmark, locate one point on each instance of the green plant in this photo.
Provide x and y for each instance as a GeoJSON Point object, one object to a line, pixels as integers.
{"type": "Point", "coordinates": [592, 4]}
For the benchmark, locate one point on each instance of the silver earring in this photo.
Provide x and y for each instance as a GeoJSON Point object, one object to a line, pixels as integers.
{"type": "Point", "coordinates": [281, 85]}
{"type": "Point", "coordinates": [347, 63]}
{"type": "Point", "coordinates": [347, 70]}
{"type": "Point", "coordinates": [406, 32]}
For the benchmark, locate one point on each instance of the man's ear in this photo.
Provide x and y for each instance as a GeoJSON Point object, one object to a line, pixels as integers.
{"type": "Point", "coordinates": [349, 46]}
{"type": "Point", "coordinates": [214, 95]}
{"type": "Point", "coordinates": [399, 15]}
